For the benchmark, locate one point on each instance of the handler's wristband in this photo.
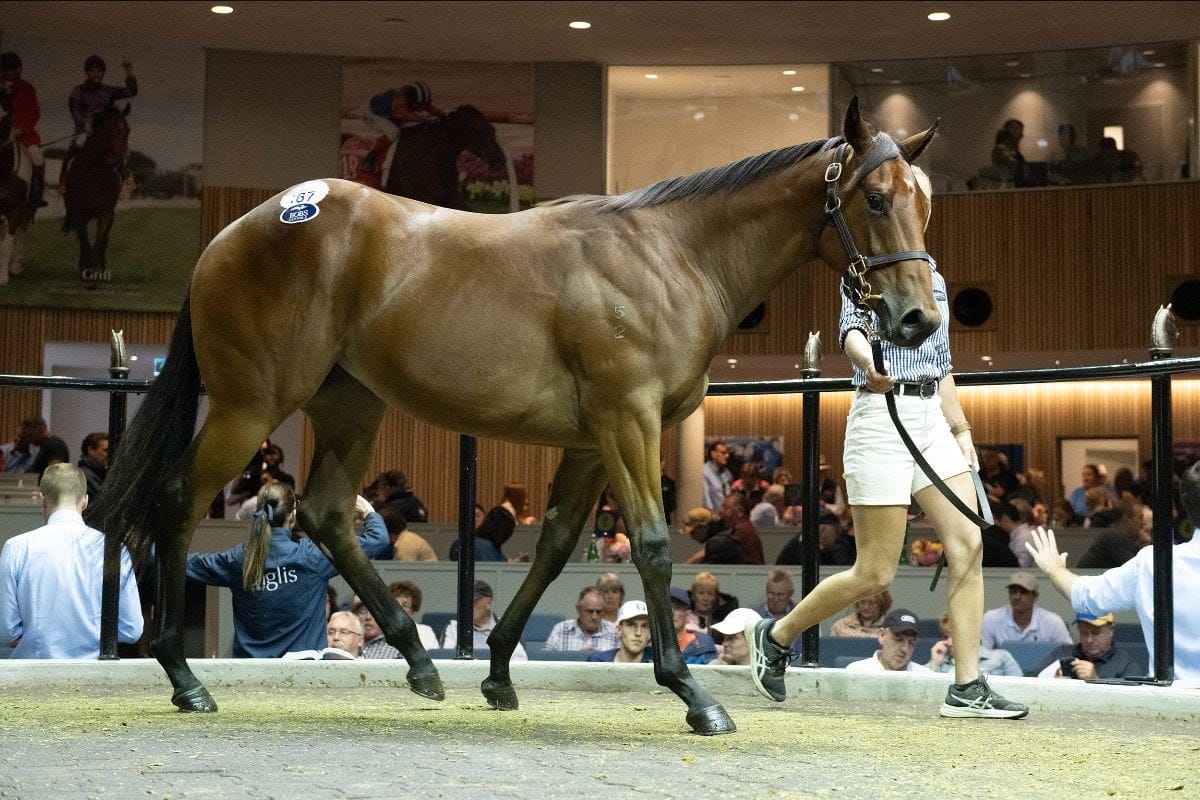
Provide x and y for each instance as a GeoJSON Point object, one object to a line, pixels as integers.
{"type": "Point", "coordinates": [960, 427]}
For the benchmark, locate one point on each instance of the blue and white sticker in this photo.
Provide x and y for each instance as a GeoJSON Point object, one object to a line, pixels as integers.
{"type": "Point", "coordinates": [301, 212]}
{"type": "Point", "coordinates": [301, 203]}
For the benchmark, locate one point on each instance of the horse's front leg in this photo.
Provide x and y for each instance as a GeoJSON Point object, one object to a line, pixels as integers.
{"type": "Point", "coordinates": [100, 247]}
{"type": "Point", "coordinates": [631, 456]}
{"type": "Point", "coordinates": [85, 250]}
{"type": "Point", "coordinates": [576, 487]}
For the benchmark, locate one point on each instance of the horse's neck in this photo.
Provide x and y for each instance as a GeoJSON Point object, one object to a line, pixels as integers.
{"type": "Point", "coordinates": [746, 242]}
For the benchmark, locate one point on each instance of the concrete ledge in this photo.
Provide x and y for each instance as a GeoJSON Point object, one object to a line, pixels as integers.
{"type": "Point", "coordinates": [1178, 702]}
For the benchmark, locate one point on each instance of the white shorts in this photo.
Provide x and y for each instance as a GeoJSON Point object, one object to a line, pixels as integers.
{"type": "Point", "coordinates": [879, 469]}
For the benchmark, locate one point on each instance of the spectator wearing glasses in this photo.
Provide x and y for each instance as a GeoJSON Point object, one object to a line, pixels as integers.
{"type": "Point", "coordinates": [589, 631]}
{"type": "Point", "coordinates": [345, 631]}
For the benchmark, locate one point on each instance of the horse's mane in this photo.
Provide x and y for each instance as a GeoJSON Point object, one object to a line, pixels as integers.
{"type": "Point", "coordinates": [727, 178]}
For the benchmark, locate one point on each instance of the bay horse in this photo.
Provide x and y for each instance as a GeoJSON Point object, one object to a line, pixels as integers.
{"type": "Point", "coordinates": [352, 300]}
{"type": "Point", "coordinates": [424, 165]}
{"type": "Point", "coordinates": [16, 170]}
{"type": "Point", "coordinates": [94, 181]}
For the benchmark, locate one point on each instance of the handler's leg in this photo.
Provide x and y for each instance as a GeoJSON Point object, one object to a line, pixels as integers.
{"type": "Point", "coordinates": [970, 696]}
{"type": "Point", "coordinates": [879, 532]}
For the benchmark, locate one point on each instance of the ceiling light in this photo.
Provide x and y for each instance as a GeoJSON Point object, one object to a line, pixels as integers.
{"type": "Point", "coordinates": [221, 9]}
{"type": "Point", "coordinates": [877, 70]}
{"type": "Point", "coordinates": [1025, 75]}
{"type": "Point", "coordinates": [1042, 144]}
{"type": "Point", "coordinates": [1149, 52]}
{"type": "Point", "coordinates": [1159, 64]}
{"type": "Point", "coordinates": [650, 76]}
{"type": "Point", "coordinates": [894, 81]}
{"type": "Point", "coordinates": [789, 72]}
{"type": "Point", "coordinates": [731, 361]}
{"type": "Point", "coordinates": [986, 358]}
{"type": "Point", "coordinates": [1012, 63]}
{"type": "Point", "coordinates": [699, 115]}
{"type": "Point", "coordinates": [797, 88]}
{"type": "Point", "coordinates": [794, 117]}
{"type": "Point", "coordinates": [579, 25]}
{"type": "Point", "coordinates": [938, 16]}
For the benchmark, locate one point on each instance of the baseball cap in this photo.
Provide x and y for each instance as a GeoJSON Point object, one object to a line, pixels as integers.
{"type": "Point", "coordinates": [900, 620]}
{"type": "Point", "coordinates": [482, 589]}
{"type": "Point", "coordinates": [680, 596]}
{"type": "Point", "coordinates": [1026, 580]}
{"type": "Point", "coordinates": [630, 609]}
{"type": "Point", "coordinates": [736, 621]}
{"type": "Point", "coordinates": [695, 518]}
{"type": "Point", "coordinates": [1093, 619]}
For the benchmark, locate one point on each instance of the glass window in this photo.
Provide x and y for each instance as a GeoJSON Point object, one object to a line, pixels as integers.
{"type": "Point", "coordinates": [1036, 119]}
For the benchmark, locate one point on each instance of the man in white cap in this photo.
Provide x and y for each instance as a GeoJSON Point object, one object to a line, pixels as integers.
{"type": "Point", "coordinates": [633, 628]}
{"type": "Point", "coordinates": [1023, 620]}
{"type": "Point", "coordinates": [897, 643]}
{"type": "Point", "coordinates": [734, 648]}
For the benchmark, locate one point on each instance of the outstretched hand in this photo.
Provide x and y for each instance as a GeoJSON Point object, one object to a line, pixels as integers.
{"type": "Point", "coordinates": [1044, 549]}
{"type": "Point", "coordinates": [362, 507]}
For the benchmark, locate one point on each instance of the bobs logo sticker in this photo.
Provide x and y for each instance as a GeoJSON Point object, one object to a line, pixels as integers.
{"type": "Point", "coordinates": [300, 203]}
{"type": "Point", "coordinates": [301, 212]}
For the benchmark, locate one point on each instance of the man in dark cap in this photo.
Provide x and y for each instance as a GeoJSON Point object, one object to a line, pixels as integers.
{"type": "Point", "coordinates": [897, 643]}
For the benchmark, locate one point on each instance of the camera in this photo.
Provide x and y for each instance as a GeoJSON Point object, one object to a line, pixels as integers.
{"type": "Point", "coordinates": [606, 523]}
{"type": "Point", "coordinates": [1066, 667]}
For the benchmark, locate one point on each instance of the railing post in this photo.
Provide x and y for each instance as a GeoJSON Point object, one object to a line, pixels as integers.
{"type": "Point", "coordinates": [809, 495]}
{"type": "Point", "coordinates": [466, 546]}
{"type": "Point", "coordinates": [1164, 333]}
{"type": "Point", "coordinates": [110, 592]}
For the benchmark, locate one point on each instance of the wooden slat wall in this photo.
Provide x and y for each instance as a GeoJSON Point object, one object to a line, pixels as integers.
{"type": "Point", "coordinates": [1068, 269]}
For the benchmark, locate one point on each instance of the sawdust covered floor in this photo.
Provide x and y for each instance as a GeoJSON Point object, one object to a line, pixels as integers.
{"type": "Point", "coordinates": [372, 742]}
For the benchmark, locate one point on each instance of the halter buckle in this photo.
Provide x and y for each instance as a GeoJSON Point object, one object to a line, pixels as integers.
{"type": "Point", "coordinates": [833, 172]}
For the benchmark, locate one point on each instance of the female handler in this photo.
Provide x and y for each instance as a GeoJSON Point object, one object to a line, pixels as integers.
{"type": "Point", "coordinates": [881, 477]}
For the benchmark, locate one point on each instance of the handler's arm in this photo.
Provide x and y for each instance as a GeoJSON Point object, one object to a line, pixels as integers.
{"type": "Point", "coordinates": [858, 350]}
{"type": "Point", "coordinates": [952, 409]}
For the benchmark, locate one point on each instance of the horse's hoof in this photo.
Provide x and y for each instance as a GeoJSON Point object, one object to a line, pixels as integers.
{"type": "Point", "coordinates": [500, 695]}
{"type": "Point", "coordinates": [194, 699]}
{"type": "Point", "coordinates": [711, 721]}
{"type": "Point", "coordinates": [427, 685]}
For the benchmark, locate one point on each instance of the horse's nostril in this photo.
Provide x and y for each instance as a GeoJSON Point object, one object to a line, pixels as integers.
{"type": "Point", "coordinates": [913, 319]}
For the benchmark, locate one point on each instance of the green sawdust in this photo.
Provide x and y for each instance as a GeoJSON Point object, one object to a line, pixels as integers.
{"type": "Point", "coordinates": [885, 746]}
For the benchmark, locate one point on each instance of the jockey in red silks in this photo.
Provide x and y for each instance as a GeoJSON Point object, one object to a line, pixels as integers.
{"type": "Point", "coordinates": [25, 113]}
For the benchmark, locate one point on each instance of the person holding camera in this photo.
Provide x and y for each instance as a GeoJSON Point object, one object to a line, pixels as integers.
{"type": "Point", "coordinates": [1096, 655]}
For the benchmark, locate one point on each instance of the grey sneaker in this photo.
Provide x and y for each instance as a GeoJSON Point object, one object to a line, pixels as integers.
{"type": "Point", "coordinates": [768, 660]}
{"type": "Point", "coordinates": [976, 699]}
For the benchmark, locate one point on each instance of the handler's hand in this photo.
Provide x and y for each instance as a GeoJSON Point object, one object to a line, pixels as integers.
{"type": "Point", "coordinates": [967, 445]}
{"type": "Point", "coordinates": [1044, 549]}
{"type": "Point", "coordinates": [880, 382]}
{"type": "Point", "coordinates": [939, 651]}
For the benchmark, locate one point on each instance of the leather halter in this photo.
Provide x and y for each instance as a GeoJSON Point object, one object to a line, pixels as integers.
{"type": "Point", "coordinates": [854, 283]}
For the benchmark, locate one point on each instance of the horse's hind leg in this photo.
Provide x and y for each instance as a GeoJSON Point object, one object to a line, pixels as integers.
{"type": "Point", "coordinates": [345, 416]}
{"type": "Point", "coordinates": [630, 447]}
{"type": "Point", "coordinates": [220, 450]}
{"type": "Point", "coordinates": [576, 487]}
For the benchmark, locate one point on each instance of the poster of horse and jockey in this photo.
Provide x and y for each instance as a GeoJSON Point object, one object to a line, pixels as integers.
{"type": "Point", "coordinates": [99, 173]}
{"type": "Point", "coordinates": [455, 134]}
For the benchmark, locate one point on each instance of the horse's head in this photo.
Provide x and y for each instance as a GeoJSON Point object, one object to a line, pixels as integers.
{"type": "Point", "coordinates": [477, 135]}
{"type": "Point", "coordinates": [110, 132]}
{"type": "Point", "coordinates": [879, 205]}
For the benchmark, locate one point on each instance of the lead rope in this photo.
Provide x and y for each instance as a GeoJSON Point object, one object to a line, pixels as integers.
{"type": "Point", "coordinates": [981, 521]}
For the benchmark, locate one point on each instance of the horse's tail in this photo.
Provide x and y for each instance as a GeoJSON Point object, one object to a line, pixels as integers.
{"type": "Point", "coordinates": [158, 435]}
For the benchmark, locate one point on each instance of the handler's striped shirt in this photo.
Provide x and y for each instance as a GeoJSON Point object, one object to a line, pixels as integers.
{"type": "Point", "coordinates": [929, 361]}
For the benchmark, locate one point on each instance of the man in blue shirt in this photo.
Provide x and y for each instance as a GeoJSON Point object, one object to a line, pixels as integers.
{"type": "Point", "coordinates": [50, 579]}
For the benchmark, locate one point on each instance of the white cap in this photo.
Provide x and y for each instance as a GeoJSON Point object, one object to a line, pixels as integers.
{"type": "Point", "coordinates": [630, 609]}
{"type": "Point", "coordinates": [736, 621]}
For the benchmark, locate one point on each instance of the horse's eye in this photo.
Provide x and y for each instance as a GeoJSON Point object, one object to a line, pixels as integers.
{"type": "Point", "coordinates": [875, 203]}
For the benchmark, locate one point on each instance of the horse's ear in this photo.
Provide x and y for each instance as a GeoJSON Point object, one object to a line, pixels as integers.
{"type": "Point", "coordinates": [913, 146]}
{"type": "Point", "coordinates": [858, 134]}
{"type": "Point", "coordinates": [128, 108]}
